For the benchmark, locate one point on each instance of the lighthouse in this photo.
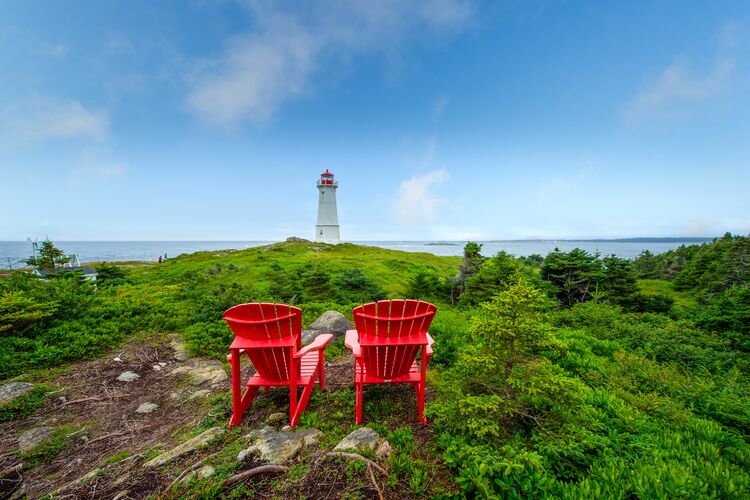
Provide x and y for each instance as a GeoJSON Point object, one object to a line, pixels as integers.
{"type": "Point", "coordinates": [327, 229]}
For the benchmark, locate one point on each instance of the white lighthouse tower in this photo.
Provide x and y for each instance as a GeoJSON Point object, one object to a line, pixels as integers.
{"type": "Point", "coordinates": [327, 229]}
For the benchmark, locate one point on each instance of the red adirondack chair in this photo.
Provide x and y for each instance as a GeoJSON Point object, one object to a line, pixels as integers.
{"type": "Point", "coordinates": [385, 344]}
{"type": "Point", "coordinates": [271, 336]}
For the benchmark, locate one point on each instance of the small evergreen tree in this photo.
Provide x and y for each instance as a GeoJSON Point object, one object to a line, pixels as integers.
{"type": "Point", "coordinates": [49, 255]}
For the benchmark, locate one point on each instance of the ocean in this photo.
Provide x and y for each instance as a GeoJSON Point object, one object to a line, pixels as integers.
{"type": "Point", "coordinates": [112, 251]}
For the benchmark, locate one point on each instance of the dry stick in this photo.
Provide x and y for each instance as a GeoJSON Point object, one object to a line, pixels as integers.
{"type": "Point", "coordinates": [254, 472]}
{"type": "Point", "coordinates": [11, 470]}
{"type": "Point", "coordinates": [95, 398]}
{"type": "Point", "coordinates": [192, 468]}
{"type": "Point", "coordinates": [374, 483]}
{"type": "Point", "coordinates": [358, 457]}
{"type": "Point", "coordinates": [107, 436]}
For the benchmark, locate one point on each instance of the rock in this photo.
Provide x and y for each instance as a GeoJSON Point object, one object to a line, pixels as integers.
{"type": "Point", "coordinates": [365, 438]}
{"type": "Point", "coordinates": [33, 437]}
{"type": "Point", "coordinates": [62, 399]}
{"type": "Point", "coordinates": [202, 371]}
{"type": "Point", "coordinates": [278, 447]}
{"type": "Point", "coordinates": [180, 350]}
{"type": "Point", "coordinates": [297, 239]}
{"type": "Point", "coordinates": [156, 368]}
{"type": "Point", "coordinates": [331, 322]}
{"type": "Point", "coordinates": [202, 393]}
{"type": "Point", "coordinates": [276, 418]}
{"type": "Point", "coordinates": [202, 473]}
{"type": "Point", "coordinates": [128, 376]}
{"type": "Point", "coordinates": [189, 446]}
{"type": "Point", "coordinates": [242, 455]}
{"type": "Point", "coordinates": [12, 390]}
{"type": "Point", "coordinates": [147, 407]}
{"type": "Point", "coordinates": [286, 428]}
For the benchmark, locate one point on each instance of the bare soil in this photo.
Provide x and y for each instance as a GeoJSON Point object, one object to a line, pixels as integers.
{"type": "Point", "coordinates": [107, 442]}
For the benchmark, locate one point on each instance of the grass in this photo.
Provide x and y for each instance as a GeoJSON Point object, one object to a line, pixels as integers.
{"type": "Point", "coordinates": [683, 301]}
{"type": "Point", "coordinates": [49, 449]}
{"type": "Point", "coordinates": [24, 405]}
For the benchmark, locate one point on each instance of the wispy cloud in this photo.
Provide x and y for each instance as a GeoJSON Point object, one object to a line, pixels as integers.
{"type": "Point", "coordinates": [683, 84]}
{"type": "Point", "coordinates": [274, 62]}
{"type": "Point", "coordinates": [439, 106]}
{"type": "Point", "coordinates": [678, 85]}
{"type": "Point", "coordinates": [44, 118]}
{"type": "Point", "coordinates": [416, 203]}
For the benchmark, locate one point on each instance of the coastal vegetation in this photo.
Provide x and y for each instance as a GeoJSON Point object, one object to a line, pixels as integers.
{"type": "Point", "coordinates": [570, 375]}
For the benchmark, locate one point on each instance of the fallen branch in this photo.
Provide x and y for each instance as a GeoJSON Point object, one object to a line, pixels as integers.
{"type": "Point", "coordinates": [192, 468]}
{"type": "Point", "coordinates": [254, 472]}
{"type": "Point", "coordinates": [55, 392]}
{"type": "Point", "coordinates": [374, 483]}
{"type": "Point", "coordinates": [95, 398]}
{"type": "Point", "coordinates": [107, 436]}
{"type": "Point", "coordinates": [357, 456]}
{"type": "Point", "coordinates": [11, 470]}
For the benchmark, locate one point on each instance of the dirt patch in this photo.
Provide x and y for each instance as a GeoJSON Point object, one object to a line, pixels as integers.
{"type": "Point", "coordinates": [104, 441]}
{"type": "Point", "coordinates": [98, 413]}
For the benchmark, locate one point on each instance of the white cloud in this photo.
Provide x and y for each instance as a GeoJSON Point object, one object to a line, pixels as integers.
{"type": "Point", "coordinates": [677, 85]}
{"type": "Point", "coordinates": [262, 69]}
{"type": "Point", "coordinates": [439, 106]}
{"type": "Point", "coordinates": [99, 170]}
{"type": "Point", "coordinates": [48, 118]}
{"type": "Point", "coordinates": [416, 203]}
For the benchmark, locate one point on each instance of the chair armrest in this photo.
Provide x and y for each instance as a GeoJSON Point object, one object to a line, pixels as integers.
{"type": "Point", "coordinates": [352, 342]}
{"type": "Point", "coordinates": [428, 347]}
{"type": "Point", "coordinates": [320, 342]}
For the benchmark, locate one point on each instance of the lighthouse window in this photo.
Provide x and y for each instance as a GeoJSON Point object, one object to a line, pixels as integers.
{"type": "Point", "coordinates": [321, 232]}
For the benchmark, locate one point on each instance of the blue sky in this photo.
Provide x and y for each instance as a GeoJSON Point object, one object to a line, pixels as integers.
{"type": "Point", "coordinates": [442, 119]}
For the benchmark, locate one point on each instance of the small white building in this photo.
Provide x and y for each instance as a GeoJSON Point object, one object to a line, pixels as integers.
{"type": "Point", "coordinates": [72, 264]}
{"type": "Point", "coordinates": [327, 229]}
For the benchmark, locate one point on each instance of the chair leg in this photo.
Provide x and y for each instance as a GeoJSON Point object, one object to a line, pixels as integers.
{"type": "Point", "coordinates": [321, 371]}
{"type": "Point", "coordinates": [301, 405]}
{"type": "Point", "coordinates": [420, 402]}
{"type": "Point", "coordinates": [359, 389]}
{"type": "Point", "coordinates": [292, 403]}
{"type": "Point", "coordinates": [234, 360]}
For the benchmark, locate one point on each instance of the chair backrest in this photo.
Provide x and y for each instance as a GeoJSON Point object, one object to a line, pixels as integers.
{"type": "Point", "coordinates": [274, 333]}
{"type": "Point", "coordinates": [391, 333]}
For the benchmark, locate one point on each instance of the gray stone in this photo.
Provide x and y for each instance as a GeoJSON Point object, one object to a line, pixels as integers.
{"type": "Point", "coordinates": [189, 446]}
{"type": "Point", "coordinates": [331, 322]}
{"type": "Point", "coordinates": [128, 376]}
{"type": "Point", "coordinates": [202, 473]}
{"type": "Point", "coordinates": [33, 437]}
{"type": "Point", "coordinates": [201, 393]}
{"type": "Point", "coordinates": [365, 438]}
{"type": "Point", "coordinates": [276, 418]}
{"type": "Point", "coordinates": [180, 350]}
{"type": "Point", "coordinates": [156, 368]}
{"type": "Point", "coordinates": [297, 239]}
{"type": "Point", "coordinates": [147, 407]}
{"type": "Point", "coordinates": [202, 371]}
{"type": "Point", "coordinates": [278, 447]}
{"type": "Point", "coordinates": [242, 455]}
{"type": "Point", "coordinates": [12, 390]}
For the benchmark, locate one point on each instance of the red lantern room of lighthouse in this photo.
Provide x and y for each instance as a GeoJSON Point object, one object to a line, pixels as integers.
{"type": "Point", "coordinates": [327, 229]}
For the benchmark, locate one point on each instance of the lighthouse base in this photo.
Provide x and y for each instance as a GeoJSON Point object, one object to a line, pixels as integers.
{"type": "Point", "coordinates": [327, 233]}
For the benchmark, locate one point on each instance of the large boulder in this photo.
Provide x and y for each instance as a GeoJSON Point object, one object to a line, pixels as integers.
{"type": "Point", "coordinates": [32, 438]}
{"type": "Point", "coordinates": [330, 322]}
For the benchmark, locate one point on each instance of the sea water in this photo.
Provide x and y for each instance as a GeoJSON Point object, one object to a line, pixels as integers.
{"type": "Point", "coordinates": [110, 251]}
